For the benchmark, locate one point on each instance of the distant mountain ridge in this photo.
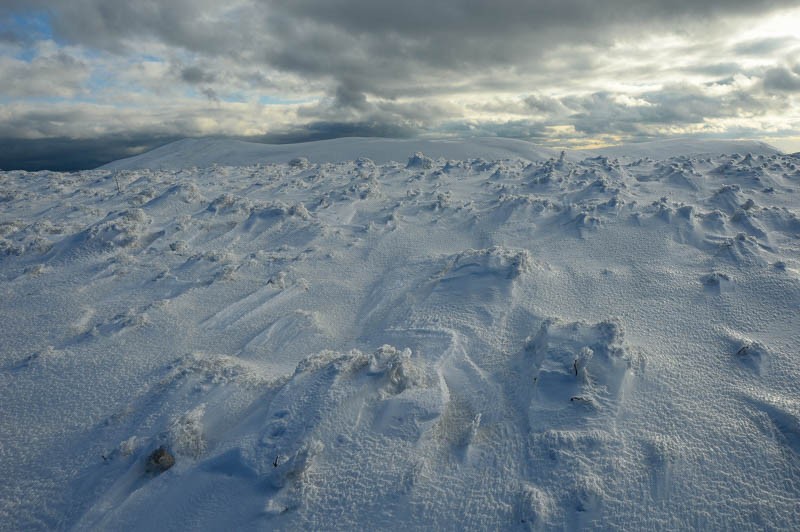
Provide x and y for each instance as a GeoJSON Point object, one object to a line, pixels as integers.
{"type": "Point", "coordinates": [206, 152]}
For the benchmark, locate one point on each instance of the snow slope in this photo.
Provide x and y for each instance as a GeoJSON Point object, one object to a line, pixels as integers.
{"type": "Point", "coordinates": [664, 149]}
{"type": "Point", "coordinates": [439, 344]}
{"type": "Point", "coordinates": [205, 152]}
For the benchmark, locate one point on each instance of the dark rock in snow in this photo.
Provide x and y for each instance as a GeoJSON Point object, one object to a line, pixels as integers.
{"type": "Point", "coordinates": [299, 162]}
{"type": "Point", "coordinates": [160, 460]}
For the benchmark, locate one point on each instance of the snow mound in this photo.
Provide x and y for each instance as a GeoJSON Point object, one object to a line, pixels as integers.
{"type": "Point", "coordinates": [495, 261]}
{"type": "Point", "coordinates": [124, 229]}
{"type": "Point", "coordinates": [585, 365]}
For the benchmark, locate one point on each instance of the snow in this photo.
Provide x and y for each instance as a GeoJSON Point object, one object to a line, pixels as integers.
{"type": "Point", "coordinates": [204, 152]}
{"type": "Point", "coordinates": [479, 335]}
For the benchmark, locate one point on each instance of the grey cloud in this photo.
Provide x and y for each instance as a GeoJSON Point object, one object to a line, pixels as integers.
{"type": "Point", "coordinates": [545, 104]}
{"type": "Point", "coordinates": [378, 47]}
{"type": "Point", "coordinates": [677, 105]}
{"type": "Point", "coordinates": [324, 130]}
{"type": "Point", "coordinates": [764, 46]}
{"type": "Point", "coordinates": [38, 123]}
{"type": "Point", "coordinates": [687, 104]}
{"type": "Point", "coordinates": [211, 94]}
{"type": "Point", "coordinates": [501, 17]}
{"type": "Point", "coordinates": [61, 120]}
{"type": "Point", "coordinates": [532, 130]}
{"type": "Point", "coordinates": [56, 75]}
{"type": "Point", "coordinates": [782, 79]}
{"type": "Point", "coordinates": [478, 32]}
{"type": "Point", "coordinates": [716, 69]}
{"type": "Point", "coordinates": [116, 25]}
{"type": "Point", "coordinates": [349, 98]}
{"type": "Point", "coordinates": [348, 105]}
{"type": "Point", "coordinates": [598, 115]}
{"type": "Point", "coordinates": [195, 74]}
{"type": "Point", "coordinates": [10, 37]}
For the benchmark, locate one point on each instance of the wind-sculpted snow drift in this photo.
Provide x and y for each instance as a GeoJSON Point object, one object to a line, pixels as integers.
{"type": "Point", "coordinates": [544, 342]}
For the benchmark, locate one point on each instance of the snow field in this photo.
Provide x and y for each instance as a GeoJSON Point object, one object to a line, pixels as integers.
{"type": "Point", "coordinates": [524, 343]}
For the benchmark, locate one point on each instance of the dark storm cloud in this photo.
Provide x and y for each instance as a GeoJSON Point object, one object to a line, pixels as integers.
{"type": "Point", "coordinates": [376, 46]}
{"type": "Point", "coordinates": [118, 25]}
{"type": "Point", "coordinates": [68, 154]}
{"type": "Point", "coordinates": [380, 46]}
{"type": "Point", "coordinates": [333, 130]}
{"type": "Point", "coordinates": [493, 19]}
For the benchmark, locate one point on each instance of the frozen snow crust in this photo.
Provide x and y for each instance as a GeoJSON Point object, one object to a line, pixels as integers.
{"type": "Point", "coordinates": [532, 342]}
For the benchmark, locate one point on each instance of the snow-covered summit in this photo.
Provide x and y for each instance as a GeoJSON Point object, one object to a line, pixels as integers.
{"type": "Point", "coordinates": [205, 152]}
{"type": "Point", "coordinates": [664, 149]}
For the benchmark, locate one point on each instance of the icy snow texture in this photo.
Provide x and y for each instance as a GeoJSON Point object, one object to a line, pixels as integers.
{"type": "Point", "coordinates": [518, 341]}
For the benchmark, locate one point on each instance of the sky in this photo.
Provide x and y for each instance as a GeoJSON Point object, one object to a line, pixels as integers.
{"type": "Point", "coordinates": [83, 82]}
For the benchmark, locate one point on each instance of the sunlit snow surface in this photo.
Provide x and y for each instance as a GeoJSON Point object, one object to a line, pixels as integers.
{"type": "Point", "coordinates": [584, 342]}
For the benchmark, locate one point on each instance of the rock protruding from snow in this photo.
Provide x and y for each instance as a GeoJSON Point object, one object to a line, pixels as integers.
{"type": "Point", "coordinates": [160, 460]}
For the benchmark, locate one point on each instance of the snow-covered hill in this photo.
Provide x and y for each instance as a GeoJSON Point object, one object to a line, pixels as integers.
{"type": "Point", "coordinates": [444, 343]}
{"type": "Point", "coordinates": [206, 152]}
{"type": "Point", "coordinates": [664, 149]}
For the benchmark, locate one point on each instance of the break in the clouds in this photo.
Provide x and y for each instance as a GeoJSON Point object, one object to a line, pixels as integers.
{"type": "Point", "coordinates": [119, 76]}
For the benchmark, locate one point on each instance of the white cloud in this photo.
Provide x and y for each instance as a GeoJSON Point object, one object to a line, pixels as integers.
{"type": "Point", "coordinates": [57, 74]}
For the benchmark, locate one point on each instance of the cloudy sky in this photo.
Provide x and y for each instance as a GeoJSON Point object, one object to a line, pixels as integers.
{"type": "Point", "coordinates": [87, 81]}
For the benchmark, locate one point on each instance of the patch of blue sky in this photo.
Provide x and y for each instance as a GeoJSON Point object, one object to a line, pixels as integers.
{"type": "Point", "coordinates": [42, 100]}
{"type": "Point", "coordinates": [32, 24]}
{"type": "Point", "coordinates": [233, 98]}
{"type": "Point", "coordinates": [26, 53]}
{"type": "Point", "coordinates": [151, 58]}
{"type": "Point", "coordinates": [26, 28]}
{"type": "Point", "coordinates": [238, 97]}
{"type": "Point", "coordinates": [273, 100]}
{"type": "Point", "coordinates": [101, 80]}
